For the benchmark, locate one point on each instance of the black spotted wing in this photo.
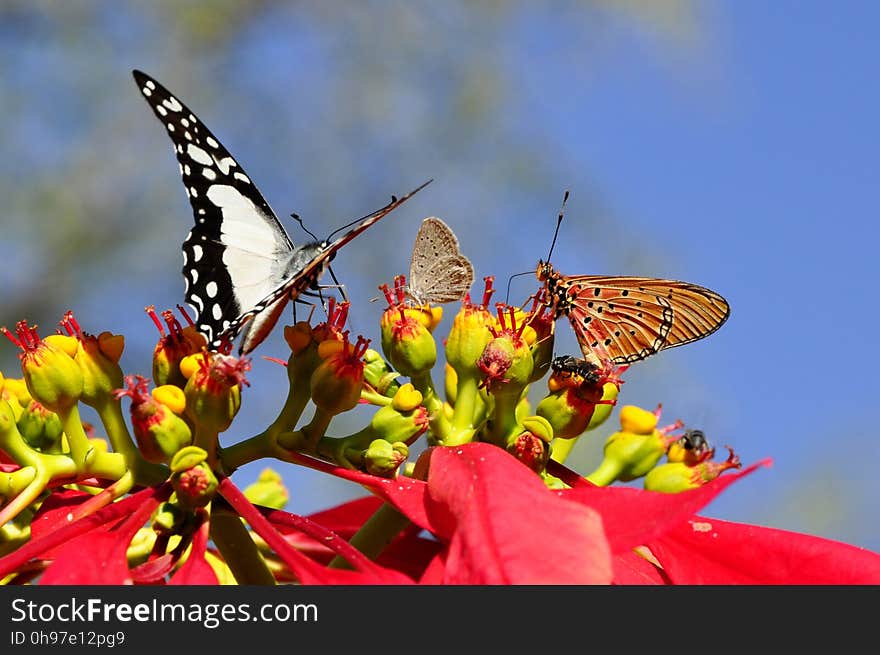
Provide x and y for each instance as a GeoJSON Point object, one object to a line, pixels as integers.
{"type": "Point", "coordinates": [239, 266]}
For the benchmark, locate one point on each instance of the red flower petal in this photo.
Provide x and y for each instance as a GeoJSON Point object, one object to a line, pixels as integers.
{"type": "Point", "coordinates": [506, 527]}
{"type": "Point", "coordinates": [435, 572]}
{"type": "Point", "coordinates": [347, 518]}
{"type": "Point", "coordinates": [711, 551]}
{"type": "Point", "coordinates": [61, 535]}
{"type": "Point", "coordinates": [409, 553]}
{"type": "Point", "coordinates": [306, 570]}
{"type": "Point", "coordinates": [196, 570]}
{"type": "Point", "coordinates": [632, 569]}
{"type": "Point", "coordinates": [406, 494]}
{"type": "Point", "coordinates": [99, 556]}
{"type": "Point", "coordinates": [634, 516]}
{"type": "Point", "coordinates": [53, 514]}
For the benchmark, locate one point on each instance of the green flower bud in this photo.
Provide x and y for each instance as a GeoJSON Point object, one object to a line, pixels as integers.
{"type": "Point", "coordinates": [469, 335]}
{"type": "Point", "coordinates": [40, 428]}
{"type": "Point", "coordinates": [193, 480]}
{"type": "Point", "coordinates": [336, 383]}
{"type": "Point", "coordinates": [674, 477]}
{"type": "Point", "coordinates": [532, 446]}
{"type": "Point", "coordinates": [630, 454]}
{"type": "Point", "coordinates": [407, 342]}
{"type": "Point", "coordinates": [159, 431]}
{"type": "Point", "coordinates": [14, 391]}
{"type": "Point", "coordinates": [52, 377]}
{"type": "Point", "coordinates": [379, 375]}
{"type": "Point", "coordinates": [572, 410]}
{"type": "Point", "coordinates": [506, 363]}
{"type": "Point", "coordinates": [169, 518]}
{"type": "Point", "coordinates": [399, 422]}
{"type": "Point", "coordinates": [383, 458]}
{"type": "Point", "coordinates": [213, 388]}
{"type": "Point", "coordinates": [268, 490]}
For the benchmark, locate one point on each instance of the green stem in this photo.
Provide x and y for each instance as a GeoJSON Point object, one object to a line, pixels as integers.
{"type": "Point", "coordinates": [116, 490]}
{"type": "Point", "coordinates": [85, 456]}
{"type": "Point", "coordinates": [249, 450]}
{"type": "Point", "coordinates": [375, 535]}
{"type": "Point", "coordinates": [463, 416]}
{"type": "Point", "coordinates": [265, 444]}
{"type": "Point", "coordinates": [605, 473]}
{"type": "Point", "coordinates": [12, 484]}
{"type": "Point", "coordinates": [306, 439]}
{"type": "Point", "coordinates": [374, 398]}
{"type": "Point", "coordinates": [560, 449]}
{"type": "Point", "coordinates": [504, 423]}
{"type": "Point", "coordinates": [237, 548]}
{"type": "Point", "coordinates": [208, 439]}
{"type": "Point", "coordinates": [439, 425]}
{"type": "Point", "coordinates": [76, 436]}
{"type": "Point", "coordinates": [27, 496]}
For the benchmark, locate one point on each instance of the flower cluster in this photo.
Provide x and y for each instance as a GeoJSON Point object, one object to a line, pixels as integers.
{"type": "Point", "coordinates": [148, 498]}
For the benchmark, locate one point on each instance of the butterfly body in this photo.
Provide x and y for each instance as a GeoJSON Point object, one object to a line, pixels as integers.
{"type": "Point", "coordinates": [240, 266]}
{"type": "Point", "coordinates": [623, 319]}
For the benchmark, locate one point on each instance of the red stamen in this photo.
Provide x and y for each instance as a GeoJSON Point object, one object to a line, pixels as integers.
{"type": "Point", "coordinates": [185, 315]}
{"type": "Point", "coordinates": [342, 313]}
{"type": "Point", "coordinates": [136, 387]}
{"type": "Point", "coordinates": [361, 346]}
{"type": "Point", "coordinates": [331, 307]}
{"type": "Point", "coordinates": [11, 337]}
{"type": "Point", "coordinates": [387, 293]}
{"type": "Point", "coordinates": [487, 294]}
{"type": "Point", "coordinates": [400, 288]}
{"type": "Point", "coordinates": [151, 312]}
{"type": "Point", "coordinates": [70, 324]}
{"type": "Point", "coordinates": [276, 360]}
{"type": "Point", "coordinates": [499, 308]}
{"type": "Point", "coordinates": [174, 328]}
{"type": "Point", "coordinates": [671, 428]}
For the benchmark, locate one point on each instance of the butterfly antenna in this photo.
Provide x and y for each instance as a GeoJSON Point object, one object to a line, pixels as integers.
{"type": "Point", "coordinates": [303, 226]}
{"type": "Point", "coordinates": [510, 279]}
{"type": "Point", "coordinates": [394, 201]}
{"type": "Point", "coordinates": [356, 221]}
{"type": "Point", "coordinates": [558, 223]}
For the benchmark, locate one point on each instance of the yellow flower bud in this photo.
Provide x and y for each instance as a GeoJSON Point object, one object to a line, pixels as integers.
{"type": "Point", "coordinates": [637, 420]}
{"type": "Point", "coordinates": [171, 396]}
{"type": "Point", "coordinates": [407, 398]}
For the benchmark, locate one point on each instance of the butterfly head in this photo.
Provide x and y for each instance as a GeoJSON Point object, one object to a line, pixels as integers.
{"type": "Point", "coordinates": [545, 271]}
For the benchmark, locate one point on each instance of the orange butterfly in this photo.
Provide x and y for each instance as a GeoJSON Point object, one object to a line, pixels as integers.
{"type": "Point", "coordinates": [622, 320]}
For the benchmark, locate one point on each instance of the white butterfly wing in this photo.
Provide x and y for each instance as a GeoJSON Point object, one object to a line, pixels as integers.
{"type": "Point", "coordinates": [237, 252]}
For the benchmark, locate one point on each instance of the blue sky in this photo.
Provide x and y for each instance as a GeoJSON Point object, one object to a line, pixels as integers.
{"type": "Point", "coordinates": [741, 156]}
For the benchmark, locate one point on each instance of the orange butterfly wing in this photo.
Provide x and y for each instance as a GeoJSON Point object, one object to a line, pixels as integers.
{"type": "Point", "coordinates": [626, 319]}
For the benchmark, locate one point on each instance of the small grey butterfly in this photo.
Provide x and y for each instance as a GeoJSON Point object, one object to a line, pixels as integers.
{"type": "Point", "coordinates": [438, 272]}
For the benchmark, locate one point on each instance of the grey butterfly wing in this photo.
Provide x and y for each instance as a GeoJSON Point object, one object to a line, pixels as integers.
{"type": "Point", "coordinates": [438, 272]}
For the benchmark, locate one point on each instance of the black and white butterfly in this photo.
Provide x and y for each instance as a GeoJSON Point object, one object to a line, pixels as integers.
{"type": "Point", "coordinates": [239, 265]}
